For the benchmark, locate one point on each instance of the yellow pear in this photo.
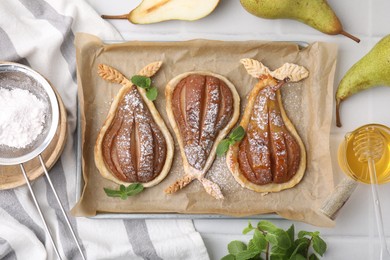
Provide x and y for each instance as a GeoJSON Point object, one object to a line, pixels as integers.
{"type": "Point", "coordinates": [315, 13]}
{"type": "Point", "coordinates": [370, 71]}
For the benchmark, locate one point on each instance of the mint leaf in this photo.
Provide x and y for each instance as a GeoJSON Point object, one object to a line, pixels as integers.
{"type": "Point", "coordinates": [278, 253]}
{"type": "Point", "coordinates": [252, 246]}
{"type": "Point", "coordinates": [319, 245]}
{"type": "Point", "coordinates": [236, 247]}
{"type": "Point", "coordinates": [222, 147]}
{"type": "Point", "coordinates": [112, 193]}
{"type": "Point", "coordinates": [152, 93]}
{"type": "Point", "coordinates": [259, 240]}
{"type": "Point", "coordinates": [141, 81]}
{"type": "Point", "coordinates": [265, 225]}
{"type": "Point", "coordinates": [278, 257]}
{"type": "Point", "coordinates": [134, 189]}
{"type": "Point", "coordinates": [304, 247]}
{"type": "Point", "coordinates": [124, 192]}
{"type": "Point", "coordinates": [277, 244]}
{"type": "Point", "coordinates": [296, 251]}
{"type": "Point", "coordinates": [279, 238]}
{"type": "Point", "coordinates": [249, 228]}
{"type": "Point", "coordinates": [237, 134]}
{"type": "Point", "coordinates": [228, 257]}
{"type": "Point", "coordinates": [134, 186]}
{"type": "Point", "coordinates": [245, 255]}
{"type": "Point", "coordinates": [298, 257]}
{"type": "Point", "coordinates": [284, 241]}
{"type": "Point", "coordinates": [291, 232]}
{"type": "Point", "coordinates": [271, 238]}
{"type": "Point", "coordinates": [304, 233]}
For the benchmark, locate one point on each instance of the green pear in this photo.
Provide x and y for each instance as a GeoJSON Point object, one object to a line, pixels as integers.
{"type": "Point", "coordinates": [154, 11]}
{"type": "Point", "coordinates": [315, 13]}
{"type": "Point", "coordinates": [371, 70]}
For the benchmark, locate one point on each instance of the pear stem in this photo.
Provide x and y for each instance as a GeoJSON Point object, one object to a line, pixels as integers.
{"type": "Point", "coordinates": [338, 119]}
{"type": "Point", "coordinates": [356, 39]}
{"type": "Point", "coordinates": [280, 84]}
{"type": "Point", "coordinates": [124, 16]}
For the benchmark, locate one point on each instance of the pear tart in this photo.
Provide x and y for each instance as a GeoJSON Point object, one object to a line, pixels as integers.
{"type": "Point", "coordinates": [134, 144]}
{"type": "Point", "coordinates": [271, 157]}
{"type": "Point", "coordinates": [202, 108]}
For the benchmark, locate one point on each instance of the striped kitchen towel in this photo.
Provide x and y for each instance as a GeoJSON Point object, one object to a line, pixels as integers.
{"type": "Point", "coordinates": [40, 34]}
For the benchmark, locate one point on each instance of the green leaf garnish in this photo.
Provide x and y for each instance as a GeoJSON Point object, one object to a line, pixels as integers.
{"type": "Point", "coordinates": [267, 226]}
{"type": "Point", "coordinates": [259, 240]}
{"type": "Point", "coordinates": [141, 81]}
{"type": "Point", "coordinates": [235, 136]}
{"type": "Point", "coordinates": [298, 257]}
{"type": "Point", "coordinates": [152, 93]}
{"type": "Point", "coordinates": [248, 229]}
{"type": "Point", "coordinates": [303, 233]}
{"type": "Point", "coordinates": [319, 245]}
{"type": "Point", "coordinates": [236, 247]}
{"type": "Point", "coordinates": [222, 147]}
{"type": "Point", "coordinates": [124, 192]}
{"type": "Point", "coordinates": [245, 255]}
{"type": "Point", "coordinates": [228, 257]}
{"type": "Point", "coordinates": [145, 83]}
{"type": "Point", "coordinates": [270, 242]}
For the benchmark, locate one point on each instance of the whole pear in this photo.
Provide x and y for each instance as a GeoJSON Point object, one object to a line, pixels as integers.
{"type": "Point", "coordinates": [315, 13]}
{"type": "Point", "coordinates": [371, 70]}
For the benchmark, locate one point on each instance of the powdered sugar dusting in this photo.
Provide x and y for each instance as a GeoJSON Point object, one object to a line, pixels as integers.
{"type": "Point", "coordinates": [292, 95]}
{"type": "Point", "coordinates": [267, 137]}
{"type": "Point", "coordinates": [203, 115]}
{"type": "Point", "coordinates": [22, 117]}
{"type": "Point", "coordinates": [220, 174]}
{"type": "Point", "coordinates": [135, 141]}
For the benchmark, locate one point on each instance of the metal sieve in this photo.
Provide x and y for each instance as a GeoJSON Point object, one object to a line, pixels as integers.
{"type": "Point", "coordinates": [13, 76]}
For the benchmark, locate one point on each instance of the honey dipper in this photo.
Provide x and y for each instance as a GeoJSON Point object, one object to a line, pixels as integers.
{"type": "Point", "coordinates": [369, 146]}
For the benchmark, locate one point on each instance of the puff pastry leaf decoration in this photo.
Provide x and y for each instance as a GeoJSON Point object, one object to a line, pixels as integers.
{"type": "Point", "coordinates": [134, 144]}
{"type": "Point", "coordinates": [202, 108]}
{"type": "Point", "coordinates": [271, 157]}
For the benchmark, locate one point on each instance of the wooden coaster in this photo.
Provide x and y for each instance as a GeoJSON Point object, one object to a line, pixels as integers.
{"type": "Point", "coordinates": [12, 177]}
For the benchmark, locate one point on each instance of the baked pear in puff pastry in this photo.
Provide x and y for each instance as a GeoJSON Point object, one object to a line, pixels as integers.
{"type": "Point", "coordinates": [202, 108]}
{"type": "Point", "coordinates": [134, 144]}
{"type": "Point", "coordinates": [271, 157]}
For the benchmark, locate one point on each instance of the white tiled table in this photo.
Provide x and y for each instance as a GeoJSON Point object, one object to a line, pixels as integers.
{"type": "Point", "coordinates": [354, 236]}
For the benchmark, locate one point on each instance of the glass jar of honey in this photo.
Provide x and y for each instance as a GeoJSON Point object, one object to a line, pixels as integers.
{"type": "Point", "coordinates": [358, 170]}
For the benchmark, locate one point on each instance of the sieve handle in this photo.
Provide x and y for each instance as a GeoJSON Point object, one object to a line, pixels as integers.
{"type": "Point", "coordinates": [62, 208]}
{"type": "Point", "coordinates": [39, 210]}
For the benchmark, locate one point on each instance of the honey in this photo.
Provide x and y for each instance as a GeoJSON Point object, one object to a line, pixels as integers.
{"type": "Point", "coordinates": [358, 170]}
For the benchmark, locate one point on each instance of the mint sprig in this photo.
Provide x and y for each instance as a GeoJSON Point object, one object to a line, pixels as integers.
{"type": "Point", "coordinates": [236, 135]}
{"type": "Point", "coordinates": [145, 83]}
{"type": "Point", "coordinates": [124, 192]}
{"type": "Point", "coordinates": [271, 242]}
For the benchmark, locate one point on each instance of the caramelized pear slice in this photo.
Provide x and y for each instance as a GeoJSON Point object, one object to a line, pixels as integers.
{"type": "Point", "coordinates": [134, 144]}
{"type": "Point", "coordinates": [272, 156]}
{"type": "Point", "coordinates": [202, 108]}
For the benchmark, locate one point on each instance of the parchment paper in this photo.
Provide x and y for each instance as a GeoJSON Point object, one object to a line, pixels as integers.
{"type": "Point", "coordinates": [308, 104]}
